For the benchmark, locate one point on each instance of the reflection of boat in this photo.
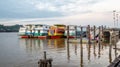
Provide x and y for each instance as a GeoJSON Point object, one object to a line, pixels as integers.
{"type": "Point", "coordinates": [56, 31]}
{"type": "Point", "coordinates": [31, 44]}
{"type": "Point", "coordinates": [57, 43]}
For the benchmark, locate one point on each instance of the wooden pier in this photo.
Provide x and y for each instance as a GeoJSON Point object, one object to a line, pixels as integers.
{"type": "Point", "coordinates": [93, 35]}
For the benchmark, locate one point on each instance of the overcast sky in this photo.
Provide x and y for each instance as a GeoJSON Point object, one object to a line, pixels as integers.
{"type": "Point", "coordinates": [77, 12]}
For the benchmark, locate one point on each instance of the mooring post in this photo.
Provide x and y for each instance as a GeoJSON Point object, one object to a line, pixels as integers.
{"type": "Point", "coordinates": [88, 35]}
{"type": "Point", "coordinates": [76, 32]}
{"type": "Point", "coordinates": [68, 51]}
{"type": "Point", "coordinates": [102, 29]}
{"type": "Point", "coordinates": [94, 32]}
{"type": "Point", "coordinates": [119, 34]}
{"type": "Point", "coordinates": [45, 55]}
{"type": "Point", "coordinates": [115, 42]}
{"type": "Point", "coordinates": [45, 62]}
{"type": "Point", "coordinates": [81, 46]}
{"type": "Point", "coordinates": [110, 48]}
{"type": "Point", "coordinates": [45, 59]}
{"type": "Point", "coordinates": [99, 39]}
{"type": "Point", "coordinates": [81, 35]}
{"type": "Point", "coordinates": [67, 32]}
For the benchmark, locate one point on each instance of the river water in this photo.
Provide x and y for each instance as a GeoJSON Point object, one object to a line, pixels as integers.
{"type": "Point", "coordinates": [17, 52]}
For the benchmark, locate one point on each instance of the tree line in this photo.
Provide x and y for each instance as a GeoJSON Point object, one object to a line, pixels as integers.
{"type": "Point", "coordinates": [12, 28]}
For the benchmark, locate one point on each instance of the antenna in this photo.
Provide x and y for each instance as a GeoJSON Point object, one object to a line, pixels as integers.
{"type": "Point", "coordinates": [114, 17]}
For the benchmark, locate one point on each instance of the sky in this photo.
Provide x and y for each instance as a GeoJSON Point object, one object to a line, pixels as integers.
{"type": "Point", "coordinates": [69, 12]}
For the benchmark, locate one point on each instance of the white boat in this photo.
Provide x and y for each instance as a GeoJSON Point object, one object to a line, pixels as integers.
{"type": "Point", "coordinates": [33, 30]}
{"type": "Point", "coordinates": [22, 31]}
{"type": "Point", "coordinates": [41, 30]}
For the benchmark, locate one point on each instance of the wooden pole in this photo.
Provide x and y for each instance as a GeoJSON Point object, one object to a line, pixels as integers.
{"type": "Point", "coordinates": [68, 51]}
{"type": "Point", "coordinates": [67, 32]}
{"type": "Point", "coordinates": [89, 34]}
{"type": "Point", "coordinates": [94, 32]}
{"type": "Point", "coordinates": [81, 35]}
{"type": "Point", "coordinates": [45, 55]}
{"type": "Point", "coordinates": [99, 40]}
{"type": "Point", "coordinates": [94, 52]}
{"type": "Point", "coordinates": [110, 47]}
{"type": "Point", "coordinates": [81, 46]}
{"type": "Point", "coordinates": [76, 32]}
{"type": "Point", "coordinates": [81, 55]}
{"type": "Point", "coordinates": [102, 33]}
{"type": "Point", "coordinates": [45, 62]}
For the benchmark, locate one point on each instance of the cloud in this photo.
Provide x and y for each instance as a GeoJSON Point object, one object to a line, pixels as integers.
{"type": "Point", "coordinates": [52, 8]}
{"type": "Point", "coordinates": [58, 11]}
{"type": "Point", "coordinates": [106, 6]}
{"type": "Point", "coordinates": [69, 7]}
{"type": "Point", "coordinates": [84, 19]}
{"type": "Point", "coordinates": [46, 6]}
{"type": "Point", "coordinates": [23, 9]}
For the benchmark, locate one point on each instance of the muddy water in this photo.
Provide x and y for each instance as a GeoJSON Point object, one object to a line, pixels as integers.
{"type": "Point", "coordinates": [16, 52]}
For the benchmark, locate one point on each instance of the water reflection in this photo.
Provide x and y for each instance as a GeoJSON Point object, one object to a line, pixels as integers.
{"type": "Point", "coordinates": [33, 44]}
{"type": "Point", "coordinates": [76, 49]}
{"type": "Point", "coordinates": [110, 54]}
{"type": "Point", "coordinates": [99, 50]}
{"type": "Point", "coordinates": [115, 50]}
{"type": "Point", "coordinates": [81, 55]}
{"type": "Point", "coordinates": [56, 43]}
{"type": "Point", "coordinates": [38, 44]}
{"type": "Point", "coordinates": [94, 49]}
{"type": "Point", "coordinates": [68, 50]}
{"type": "Point", "coordinates": [89, 51]}
{"type": "Point", "coordinates": [86, 52]}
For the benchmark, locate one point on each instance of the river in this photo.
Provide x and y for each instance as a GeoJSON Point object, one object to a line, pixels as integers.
{"type": "Point", "coordinates": [17, 52]}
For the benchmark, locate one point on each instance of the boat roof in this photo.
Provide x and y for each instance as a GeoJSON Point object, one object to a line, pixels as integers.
{"type": "Point", "coordinates": [60, 25]}
{"type": "Point", "coordinates": [36, 25]}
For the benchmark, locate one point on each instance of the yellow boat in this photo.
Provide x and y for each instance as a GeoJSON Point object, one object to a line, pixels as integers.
{"type": "Point", "coordinates": [56, 31]}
